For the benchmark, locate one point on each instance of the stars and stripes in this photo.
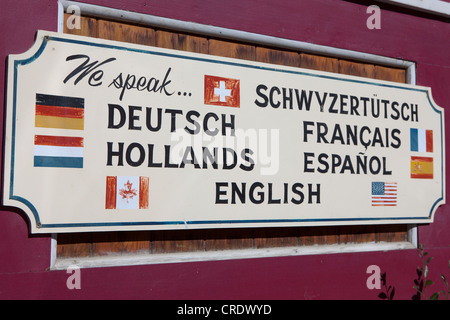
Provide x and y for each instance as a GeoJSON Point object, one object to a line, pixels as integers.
{"type": "Point", "coordinates": [384, 193]}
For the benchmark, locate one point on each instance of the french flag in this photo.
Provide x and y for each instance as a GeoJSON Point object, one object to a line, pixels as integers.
{"type": "Point", "coordinates": [421, 140]}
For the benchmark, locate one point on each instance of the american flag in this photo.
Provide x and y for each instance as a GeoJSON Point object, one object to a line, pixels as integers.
{"type": "Point", "coordinates": [384, 193]}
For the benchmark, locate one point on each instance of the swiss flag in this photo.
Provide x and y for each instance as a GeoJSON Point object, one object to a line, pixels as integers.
{"type": "Point", "coordinates": [222, 91]}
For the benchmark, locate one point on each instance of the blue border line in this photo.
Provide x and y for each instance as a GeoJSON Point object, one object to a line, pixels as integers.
{"type": "Point", "coordinates": [201, 222]}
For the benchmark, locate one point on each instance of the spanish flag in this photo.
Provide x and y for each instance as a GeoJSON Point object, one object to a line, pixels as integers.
{"type": "Point", "coordinates": [59, 112]}
{"type": "Point", "coordinates": [421, 168]}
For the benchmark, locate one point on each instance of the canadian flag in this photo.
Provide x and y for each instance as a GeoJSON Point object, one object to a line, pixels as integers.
{"type": "Point", "coordinates": [222, 91]}
{"type": "Point", "coordinates": [123, 192]}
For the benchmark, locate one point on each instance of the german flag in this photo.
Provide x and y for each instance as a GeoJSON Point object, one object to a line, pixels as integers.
{"type": "Point", "coordinates": [59, 112]}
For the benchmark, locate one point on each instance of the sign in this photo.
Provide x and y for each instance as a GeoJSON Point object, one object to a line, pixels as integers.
{"type": "Point", "coordinates": [103, 135]}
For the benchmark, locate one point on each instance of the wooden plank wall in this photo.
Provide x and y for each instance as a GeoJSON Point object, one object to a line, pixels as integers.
{"type": "Point", "coordinates": [103, 243]}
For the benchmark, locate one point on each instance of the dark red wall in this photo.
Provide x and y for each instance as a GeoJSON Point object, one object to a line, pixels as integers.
{"type": "Point", "coordinates": [341, 24]}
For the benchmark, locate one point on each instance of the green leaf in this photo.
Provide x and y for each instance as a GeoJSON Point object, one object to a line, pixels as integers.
{"type": "Point", "coordinates": [391, 296]}
{"type": "Point", "coordinates": [417, 289]}
{"type": "Point", "coordinates": [428, 260]}
{"type": "Point", "coordinates": [435, 296]}
{"type": "Point", "coordinates": [428, 283]}
{"type": "Point", "coordinates": [445, 280]}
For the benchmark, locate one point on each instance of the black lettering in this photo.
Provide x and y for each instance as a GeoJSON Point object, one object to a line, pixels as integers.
{"type": "Point", "coordinates": [352, 134]}
{"type": "Point", "coordinates": [208, 156]}
{"type": "Point", "coordinates": [347, 165]}
{"type": "Point", "coordinates": [112, 153]}
{"type": "Point", "coordinates": [111, 112]}
{"type": "Point", "coordinates": [152, 164]}
{"type": "Point", "coordinates": [271, 200]}
{"type": "Point", "coordinates": [287, 98]}
{"type": "Point", "coordinates": [129, 84]}
{"type": "Point", "coordinates": [337, 134]}
{"type": "Point", "coordinates": [239, 192]}
{"type": "Point", "coordinates": [173, 113]}
{"type": "Point", "coordinates": [385, 172]}
{"type": "Point", "coordinates": [385, 103]}
{"type": "Point", "coordinates": [220, 192]}
{"type": "Point", "coordinates": [132, 117]}
{"type": "Point", "coordinates": [405, 115]}
{"type": "Point", "coordinates": [395, 136]}
{"type": "Point", "coordinates": [308, 162]}
{"type": "Point", "coordinates": [205, 124]}
{"type": "Point", "coordinates": [167, 163]}
{"type": "Point", "coordinates": [377, 139]}
{"type": "Point", "coordinates": [312, 193]}
{"type": "Point", "coordinates": [245, 157]}
{"type": "Point", "coordinates": [306, 131]}
{"type": "Point", "coordinates": [321, 101]}
{"type": "Point", "coordinates": [365, 100]}
{"type": "Point", "coordinates": [396, 114]}
{"type": "Point", "coordinates": [344, 98]}
{"type": "Point", "coordinates": [296, 189]}
{"type": "Point", "coordinates": [226, 124]}
{"type": "Point", "coordinates": [303, 100]}
{"type": "Point", "coordinates": [331, 108]}
{"type": "Point", "coordinates": [259, 92]}
{"type": "Point", "coordinates": [354, 103]}
{"type": "Point", "coordinates": [189, 119]}
{"type": "Point", "coordinates": [361, 164]}
{"type": "Point", "coordinates": [414, 113]}
{"type": "Point", "coordinates": [166, 82]}
{"type": "Point", "coordinates": [322, 160]}
{"type": "Point", "coordinates": [321, 133]}
{"type": "Point", "coordinates": [272, 91]}
{"type": "Point", "coordinates": [85, 69]}
{"type": "Point", "coordinates": [260, 199]}
{"type": "Point", "coordinates": [226, 165]}
{"type": "Point", "coordinates": [336, 161]}
{"type": "Point", "coordinates": [361, 134]}
{"type": "Point", "coordinates": [189, 158]}
{"type": "Point", "coordinates": [377, 168]}
{"type": "Point", "coordinates": [149, 119]}
{"type": "Point", "coordinates": [130, 149]}
{"type": "Point", "coordinates": [375, 111]}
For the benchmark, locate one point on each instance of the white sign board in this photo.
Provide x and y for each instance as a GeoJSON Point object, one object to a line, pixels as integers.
{"type": "Point", "coordinates": [104, 135]}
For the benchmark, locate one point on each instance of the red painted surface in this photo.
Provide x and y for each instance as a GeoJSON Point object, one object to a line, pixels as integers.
{"type": "Point", "coordinates": [342, 24]}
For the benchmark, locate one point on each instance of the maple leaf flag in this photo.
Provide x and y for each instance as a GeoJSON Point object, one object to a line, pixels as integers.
{"type": "Point", "coordinates": [124, 192]}
{"type": "Point", "coordinates": [222, 91]}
